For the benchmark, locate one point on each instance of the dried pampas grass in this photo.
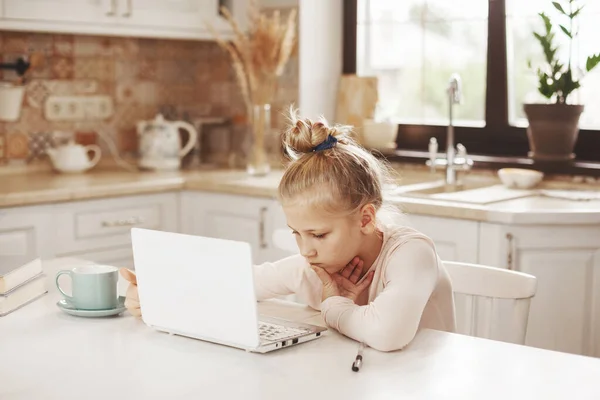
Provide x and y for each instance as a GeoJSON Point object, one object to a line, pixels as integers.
{"type": "Point", "coordinates": [259, 56]}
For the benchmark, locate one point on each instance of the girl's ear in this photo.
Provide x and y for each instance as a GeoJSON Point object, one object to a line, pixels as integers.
{"type": "Point", "coordinates": [367, 219]}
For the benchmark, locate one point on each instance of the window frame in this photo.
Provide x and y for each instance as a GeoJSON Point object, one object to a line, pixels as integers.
{"type": "Point", "coordinates": [497, 138]}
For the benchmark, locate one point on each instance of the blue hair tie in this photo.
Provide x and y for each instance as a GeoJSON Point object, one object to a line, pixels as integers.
{"type": "Point", "coordinates": [326, 144]}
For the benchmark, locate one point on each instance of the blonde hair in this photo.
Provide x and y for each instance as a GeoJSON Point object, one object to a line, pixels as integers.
{"type": "Point", "coordinates": [341, 178]}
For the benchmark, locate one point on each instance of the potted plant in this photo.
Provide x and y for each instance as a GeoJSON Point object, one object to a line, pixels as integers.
{"type": "Point", "coordinates": [553, 128]}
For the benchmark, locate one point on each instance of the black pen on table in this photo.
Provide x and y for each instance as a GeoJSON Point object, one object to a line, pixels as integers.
{"type": "Point", "coordinates": [358, 360]}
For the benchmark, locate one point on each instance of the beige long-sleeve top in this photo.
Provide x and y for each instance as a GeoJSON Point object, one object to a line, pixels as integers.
{"type": "Point", "coordinates": [411, 290]}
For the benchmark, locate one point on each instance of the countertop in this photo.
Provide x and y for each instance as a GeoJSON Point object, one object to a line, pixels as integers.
{"type": "Point", "coordinates": [491, 203]}
{"type": "Point", "coordinates": [48, 354]}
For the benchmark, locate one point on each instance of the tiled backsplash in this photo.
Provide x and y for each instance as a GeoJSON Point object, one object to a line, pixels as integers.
{"type": "Point", "coordinates": [183, 79]}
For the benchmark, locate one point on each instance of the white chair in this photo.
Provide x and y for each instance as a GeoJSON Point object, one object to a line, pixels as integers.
{"type": "Point", "coordinates": [491, 303]}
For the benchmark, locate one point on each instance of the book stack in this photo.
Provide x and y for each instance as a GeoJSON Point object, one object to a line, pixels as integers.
{"type": "Point", "coordinates": [21, 282]}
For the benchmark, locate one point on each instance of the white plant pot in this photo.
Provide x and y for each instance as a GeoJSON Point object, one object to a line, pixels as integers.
{"type": "Point", "coordinates": [11, 100]}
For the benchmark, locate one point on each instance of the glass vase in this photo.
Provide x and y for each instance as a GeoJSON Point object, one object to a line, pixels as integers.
{"type": "Point", "coordinates": [258, 160]}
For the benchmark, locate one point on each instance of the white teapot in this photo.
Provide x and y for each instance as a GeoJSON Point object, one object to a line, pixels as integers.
{"type": "Point", "coordinates": [160, 145]}
{"type": "Point", "coordinates": [72, 157]}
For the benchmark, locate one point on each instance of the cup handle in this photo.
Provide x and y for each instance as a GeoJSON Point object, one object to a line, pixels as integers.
{"type": "Point", "coordinates": [70, 273]}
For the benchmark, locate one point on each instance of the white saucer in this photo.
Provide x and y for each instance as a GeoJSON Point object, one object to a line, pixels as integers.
{"type": "Point", "coordinates": [69, 309]}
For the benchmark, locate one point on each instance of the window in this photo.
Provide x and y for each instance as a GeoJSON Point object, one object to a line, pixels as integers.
{"type": "Point", "coordinates": [413, 47]}
{"type": "Point", "coordinates": [521, 20]}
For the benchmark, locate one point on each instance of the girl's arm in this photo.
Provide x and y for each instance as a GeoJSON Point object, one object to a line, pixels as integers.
{"type": "Point", "coordinates": [284, 277]}
{"type": "Point", "coordinates": [391, 321]}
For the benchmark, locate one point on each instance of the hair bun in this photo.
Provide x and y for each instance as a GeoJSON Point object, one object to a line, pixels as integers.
{"type": "Point", "coordinates": [303, 135]}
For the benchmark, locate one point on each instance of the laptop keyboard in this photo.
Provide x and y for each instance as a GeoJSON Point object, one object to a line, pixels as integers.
{"type": "Point", "coordinates": [275, 332]}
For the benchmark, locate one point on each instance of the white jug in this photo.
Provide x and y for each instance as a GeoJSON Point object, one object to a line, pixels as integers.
{"type": "Point", "coordinates": [160, 145]}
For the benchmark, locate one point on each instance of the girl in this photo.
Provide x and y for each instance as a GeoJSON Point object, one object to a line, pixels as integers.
{"type": "Point", "coordinates": [374, 282]}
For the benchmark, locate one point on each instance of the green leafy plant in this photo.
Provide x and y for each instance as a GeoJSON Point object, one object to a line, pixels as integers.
{"type": "Point", "coordinates": [556, 80]}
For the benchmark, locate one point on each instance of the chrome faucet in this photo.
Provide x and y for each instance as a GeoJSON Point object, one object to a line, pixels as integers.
{"type": "Point", "coordinates": [455, 159]}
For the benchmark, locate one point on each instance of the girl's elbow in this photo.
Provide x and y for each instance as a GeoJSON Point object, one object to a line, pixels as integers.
{"type": "Point", "coordinates": [388, 339]}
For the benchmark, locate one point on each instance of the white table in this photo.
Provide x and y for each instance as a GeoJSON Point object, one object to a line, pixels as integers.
{"type": "Point", "coordinates": [46, 354]}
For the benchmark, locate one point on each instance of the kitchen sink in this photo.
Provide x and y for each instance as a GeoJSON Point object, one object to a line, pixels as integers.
{"type": "Point", "coordinates": [438, 187]}
{"type": "Point", "coordinates": [473, 190]}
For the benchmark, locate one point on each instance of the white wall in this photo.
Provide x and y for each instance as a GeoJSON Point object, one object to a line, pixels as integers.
{"type": "Point", "coordinates": [320, 56]}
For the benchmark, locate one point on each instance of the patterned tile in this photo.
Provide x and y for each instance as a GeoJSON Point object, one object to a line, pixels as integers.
{"type": "Point", "coordinates": [125, 48]}
{"type": "Point", "coordinates": [94, 68]}
{"type": "Point", "coordinates": [36, 93]}
{"type": "Point", "coordinates": [2, 147]}
{"type": "Point", "coordinates": [17, 146]}
{"type": "Point", "coordinates": [168, 71]}
{"type": "Point", "coordinates": [38, 143]}
{"type": "Point", "coordinates": [92, 46]}
{"type": "Point", "coordinates": [62, 68]}
{"type": "Point", "coordinates": [15, 42]}
{"type": "Point", "coordinates": [125, 92]}
{"type": "Point", "coordinates": [126, 70]}
{"type": "Point", "coordinates": [41, 43]}
{"type": "Point", "coordinates": [76, 86]}
{"type": "Point", "coordinates": [86, 138]}
{"type": "Point", "coordinates": [64, 45]}
{"type": "Point", "coordinates": [147, 69]}
{"type": "Point", "coordinates": [148, 48]}
{"type": "Point", "coordinates": [146, 92]}
{"type": "Point", "coordinates": [32, 120]}
{"type": "Point", "coordinates": [128, 140]}
{"type": "Point", "coordinates": [43, 70]}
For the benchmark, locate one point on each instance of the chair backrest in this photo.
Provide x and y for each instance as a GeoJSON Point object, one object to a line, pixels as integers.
{"type": "Point", "coordinates": [490, 302]}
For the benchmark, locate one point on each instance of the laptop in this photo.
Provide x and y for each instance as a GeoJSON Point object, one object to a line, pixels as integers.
{"type": "Point", "coordinates": [203, 288]}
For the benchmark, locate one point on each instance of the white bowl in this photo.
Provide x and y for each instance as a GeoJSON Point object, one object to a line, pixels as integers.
{"type": "Point", "coordinates": [379, 135]}
{"type": "Point", "coordinates": [520, 178]}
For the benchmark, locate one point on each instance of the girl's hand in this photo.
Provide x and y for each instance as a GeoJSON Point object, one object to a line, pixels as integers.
{"type": "Point", "coordinates": [344, 283]}
{"type": "Point", "coordinates": [132, 300]}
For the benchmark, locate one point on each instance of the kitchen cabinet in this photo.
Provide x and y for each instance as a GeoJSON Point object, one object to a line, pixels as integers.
{"type": "Point", "coordinates": [97, 230]}
{"type": "Point", "coordinates": [455, 239]}
{"type": "Point", "coordinates": [75, 11]}
{"type": "Point", "coordinates": [26, 231]}
{"type": "Point", "coordinates": [104, 223]}
{"type": "Point", "coordinates": [182, 19]}
{"type": "Point", "coordinates": [565, 312]}
{"type": "Point", "coordinates": [233, 217]}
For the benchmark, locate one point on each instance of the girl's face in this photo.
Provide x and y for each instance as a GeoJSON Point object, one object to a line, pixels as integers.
{"type": "Point", "coordinates": [324, 240]}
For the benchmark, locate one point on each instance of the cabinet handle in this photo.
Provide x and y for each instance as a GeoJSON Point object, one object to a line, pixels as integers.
{"type": "Point", "coordinates": [112, 7]}
{"type": "Point", "coordinates": [128, 9]}
{"type": "Point", "coordinates": [122, 222]}
{"type": "Point", "coordinates": [510, 255]}
{"type": "Point", "coordinates": [261, 228]}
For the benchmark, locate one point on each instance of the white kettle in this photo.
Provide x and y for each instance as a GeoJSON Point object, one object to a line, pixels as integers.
{"type": "Point", "coordinates": [72, 157]}
{"type": "Point", "coordinates": [160, 145]}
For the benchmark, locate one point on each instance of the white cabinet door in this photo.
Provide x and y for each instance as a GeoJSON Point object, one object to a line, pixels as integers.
{"type": "Point", "coordinates": [175, 14]}
{"type": "Point", "coordinates": [233, 217]}
{"type": "Point", "coordinates": [565, 312]}
{"type": "Point", "coordinates": [27, 231]}
{"type": "Point", "coordinates": [81, 11]}
{"type": "Point", "coordinates": [455, 239]}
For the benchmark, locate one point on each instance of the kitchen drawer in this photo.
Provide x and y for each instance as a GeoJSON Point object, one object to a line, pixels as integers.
{"type": "Point", "coordinates": [24, 231]}
{"type": "Point", "coordinates": [97, 224]}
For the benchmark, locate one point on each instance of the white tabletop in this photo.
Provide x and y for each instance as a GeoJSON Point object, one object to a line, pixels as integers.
{"type": "Point", "coordinates": [47, 354]}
